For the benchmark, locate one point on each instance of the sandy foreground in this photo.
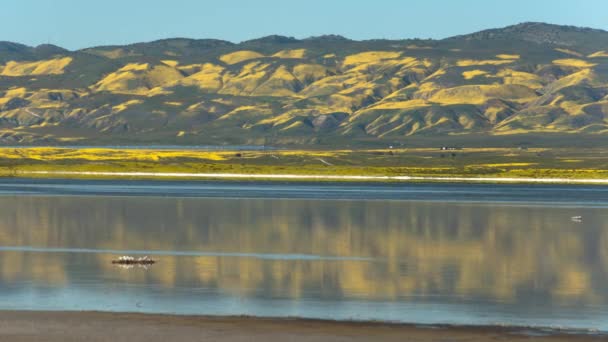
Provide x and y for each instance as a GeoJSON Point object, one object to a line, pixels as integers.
{"type": "Point", "coordinates": [90, 326]}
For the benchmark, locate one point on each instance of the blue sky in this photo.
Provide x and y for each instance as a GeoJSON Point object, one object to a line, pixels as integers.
{"type": "Point", "coordinates": [82, 23]}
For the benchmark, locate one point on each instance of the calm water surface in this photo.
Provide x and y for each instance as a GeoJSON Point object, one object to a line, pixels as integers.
{"type": "Point", "coordinates": [459, 254]}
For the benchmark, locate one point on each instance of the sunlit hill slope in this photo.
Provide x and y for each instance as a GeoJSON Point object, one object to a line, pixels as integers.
{"type": "Point", "coordinates": [523, 81]}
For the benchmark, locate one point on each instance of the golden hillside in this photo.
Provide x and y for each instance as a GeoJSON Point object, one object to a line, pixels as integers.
{"type": "Point", "coordinates": [282, 90]}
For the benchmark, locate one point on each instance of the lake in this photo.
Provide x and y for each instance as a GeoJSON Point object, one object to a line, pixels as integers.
{"type": "Point", "coordinates": [416, 253]}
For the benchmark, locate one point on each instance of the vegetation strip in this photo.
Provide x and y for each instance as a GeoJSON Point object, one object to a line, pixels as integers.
{"type": "Point", "coordinates": [454, 164]}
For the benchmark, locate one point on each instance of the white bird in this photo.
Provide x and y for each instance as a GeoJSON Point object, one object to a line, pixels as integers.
{"type": "Point", "coordinates": [577, 218]}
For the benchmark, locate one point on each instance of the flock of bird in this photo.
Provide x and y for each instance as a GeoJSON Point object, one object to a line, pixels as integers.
{"type": "Point", "coordinates": [129, 260]}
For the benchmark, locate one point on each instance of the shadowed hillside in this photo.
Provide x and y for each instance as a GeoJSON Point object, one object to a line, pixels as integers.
{"type": "Point", "coordinates": [512, 84]}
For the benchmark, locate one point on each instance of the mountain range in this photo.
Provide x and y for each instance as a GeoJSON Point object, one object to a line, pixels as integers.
{"type": "Point", "coordinates": [522, 82]}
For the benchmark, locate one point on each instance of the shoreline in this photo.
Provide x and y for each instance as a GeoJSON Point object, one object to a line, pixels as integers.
{"type": "Point", "coordinates": [478, 165]}
{"type": "Point", "coordinates": [132, 327]}
{"type": "Point", "coordinates": [297, 177]}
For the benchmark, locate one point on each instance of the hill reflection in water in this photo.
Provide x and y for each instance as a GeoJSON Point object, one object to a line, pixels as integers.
{"type": "Point", "coordinates": [372, 250]}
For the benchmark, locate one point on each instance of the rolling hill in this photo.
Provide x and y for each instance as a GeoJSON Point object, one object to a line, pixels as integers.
{"type": "Point", "coordinates": [518, 84]}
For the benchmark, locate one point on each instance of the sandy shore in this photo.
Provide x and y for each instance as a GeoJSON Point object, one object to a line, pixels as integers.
{"type": "Point", "coordinates": [284, 177]}
{"type": "Point", "coordinates": [89, 326]}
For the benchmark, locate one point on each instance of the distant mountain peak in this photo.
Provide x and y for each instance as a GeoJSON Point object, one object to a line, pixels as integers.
{"type": "Point", "coordinates": [10, 46]}
{"type": "Point", "coordinates": [535, 32]}
{"type": "Point", "coordinates": [182, 42]}
{"type": "Point", "coordinates": [535, 25]}
{"type": "Point", "coordinates": [272, 39]}
{"type": "Point", "coordinates": [49, 49]}
{"type": "Point", "coordinates": [328, 38]}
